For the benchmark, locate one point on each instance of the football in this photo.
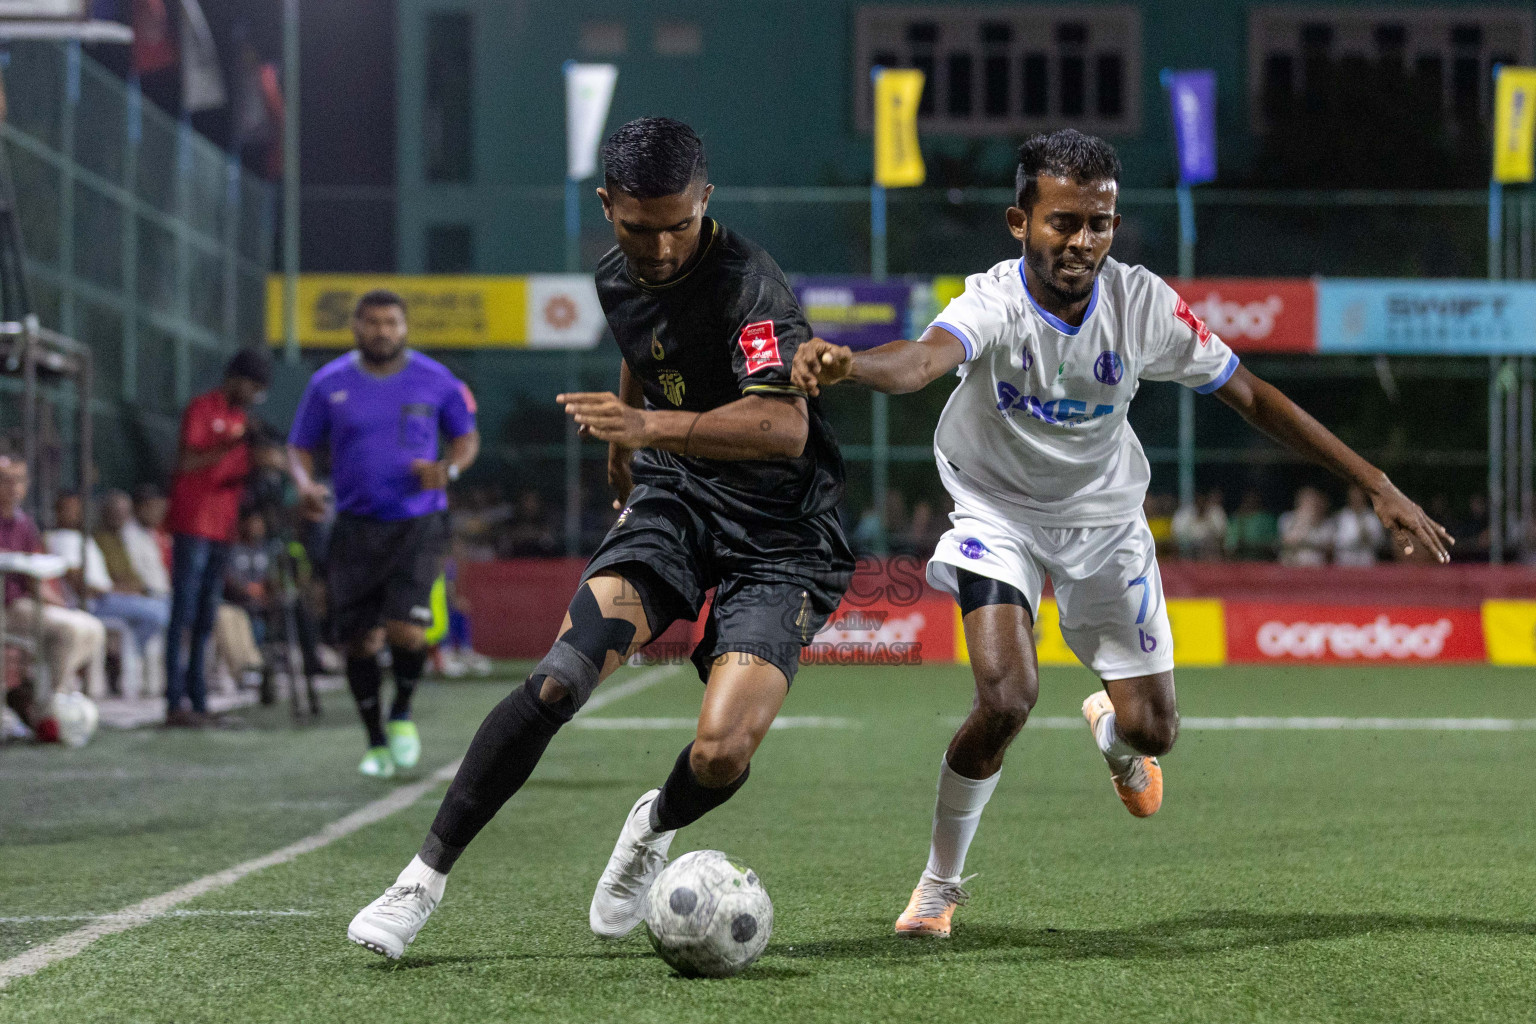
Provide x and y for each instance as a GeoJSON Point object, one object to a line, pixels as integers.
{"type": "Point", "coordinates": [707, 916]}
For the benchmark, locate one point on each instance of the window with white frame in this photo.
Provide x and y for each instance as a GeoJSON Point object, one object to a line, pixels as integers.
{"type": "Point", "coordinates": [1297, 54]}
{"type": "Point", "coordinates": [999, 70]}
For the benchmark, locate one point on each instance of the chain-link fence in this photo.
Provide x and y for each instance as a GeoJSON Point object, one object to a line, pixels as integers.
{"type": "Point", "coordinates": [144, 241]}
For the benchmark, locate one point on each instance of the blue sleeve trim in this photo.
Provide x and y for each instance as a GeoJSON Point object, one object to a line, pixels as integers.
{"type": "Point", "coordinates": [965, 339]}
{"type": "Point", "coordinates": [1221, 378]}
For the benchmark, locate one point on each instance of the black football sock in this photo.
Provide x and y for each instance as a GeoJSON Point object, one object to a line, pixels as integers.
{"type": "Point", "coordinates": [408, 665]}
{"type": "Point", "coordinates": [684, 800]}
{"type": "Point", "coordinates": [364, 677]}
{"type": "Point", "coordinates": [502, 755]}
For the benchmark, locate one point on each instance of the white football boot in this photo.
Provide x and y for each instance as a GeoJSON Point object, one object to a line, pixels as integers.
{"type": "Point", "coordinates": [619, 902]}
{"type": "Point", "coordinates": [390, 923]}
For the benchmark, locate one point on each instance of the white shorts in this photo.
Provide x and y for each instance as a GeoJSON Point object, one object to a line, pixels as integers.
{"type": "Point", "coordinates": [1108, 589]}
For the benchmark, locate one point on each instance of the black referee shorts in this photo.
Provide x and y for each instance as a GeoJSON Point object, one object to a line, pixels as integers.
{"type": "Point", "coordinates": [382, 571]}
{"type": "Point", "coordinates": [775, 583]}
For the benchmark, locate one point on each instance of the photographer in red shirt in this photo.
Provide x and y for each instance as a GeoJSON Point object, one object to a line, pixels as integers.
{"type": "Point", "coordinates": [213, 460]}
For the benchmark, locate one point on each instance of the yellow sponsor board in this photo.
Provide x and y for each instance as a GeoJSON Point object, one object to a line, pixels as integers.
{"type": "Point", "coordinates": [898, 159]}
{"type": "Point", "coordinates": [946, 287]}
{"type": "Point", "coordinates": [1509, 630]}
{"type": "Point", "coordinates": [446, 311]}
{"type": "Point", "coordinates": [1514, 125]}
{"type": "Point", "coordinates": [1199, 634]}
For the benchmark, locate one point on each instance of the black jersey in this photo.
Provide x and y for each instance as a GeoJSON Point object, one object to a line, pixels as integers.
{"type": "Point", "coordinates": [728, 325]}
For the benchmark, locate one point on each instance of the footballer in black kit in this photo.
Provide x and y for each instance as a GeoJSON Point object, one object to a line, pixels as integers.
{"type": "Point", "coordinates": [728, 478]}
{"type": "Point", "coordinates": [765, 531]}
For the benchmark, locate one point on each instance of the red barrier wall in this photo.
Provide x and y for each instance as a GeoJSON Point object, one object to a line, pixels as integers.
{"type": "Point", "coordinates": [517, 606]}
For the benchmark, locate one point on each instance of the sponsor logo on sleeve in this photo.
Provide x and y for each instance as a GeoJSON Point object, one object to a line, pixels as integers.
{"type": "Point", "coordinates": [469, 397]}
{"type": "Point", "coordinates": [1184, 313]}
{"type": "Point", "coordinates": [973, 548]}
{"type": "Point", "coordinates": [760, 345]}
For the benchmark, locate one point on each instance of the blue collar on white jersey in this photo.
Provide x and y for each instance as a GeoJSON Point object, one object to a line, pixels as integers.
{"type": "Point", "coordinates": [1056, 321]}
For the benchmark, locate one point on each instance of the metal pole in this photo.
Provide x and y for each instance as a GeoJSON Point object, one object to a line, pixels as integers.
{"type": "Point", "coordinates": [1527, 455]}
{"type": "Point", "coordinates": [1510, 383]}
{"type": "Point", "coordinates": [86, 440]}
{"type": "Point", "coordinates": [1495, 228]}
{"type": "Point", "coordinates": [291, 180]}
{"type": "Point", "coordinates": [1495, 465]}
{"type": "Point", "coordinates": [572, 378]}
{"type": "Point", "coordinates": [67, 121]}
{"type": "Point", "coordinates": [231, 247]}
{"type": "Point", "coordinates": [879, 402]}
{"type": "Point", "coordinates": [29, 403]}
{"type": "Point", "coordinates": [1186, 396]}
{"type": "Point", "coordinates": [129, 385]}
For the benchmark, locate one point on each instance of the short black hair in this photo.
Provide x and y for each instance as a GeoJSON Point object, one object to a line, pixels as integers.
{"type": "Point", "coordinates": [653, 156]}
{"type": "Point", "coordinates": [253, 364]}
{"type": "Point", "coordinates": [1066, 153]}
{"type": "Point", "coordinates": [378, 297]}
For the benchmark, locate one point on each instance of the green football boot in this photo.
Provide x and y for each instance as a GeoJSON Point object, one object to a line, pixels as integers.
{"type": "Point", "coordinates": [404, 743]}
{"type": "Point", "coordinates": [378, 763]}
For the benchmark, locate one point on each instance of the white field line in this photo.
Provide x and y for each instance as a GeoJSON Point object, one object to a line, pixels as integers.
{"type": "Point", "coordinates": [782, 722]}
{"type": "Point", "coordinates": [1257, 722]}
{"type": "Point", "coordinates": [114, 915]}
{"type": "Point", "coordinates": [68, 945]}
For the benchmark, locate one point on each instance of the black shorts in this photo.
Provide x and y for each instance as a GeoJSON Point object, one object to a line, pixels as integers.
{"type": "Point", "coordinates": [775, 583]}
{"type": "Point", "coordinates": [380, 571]}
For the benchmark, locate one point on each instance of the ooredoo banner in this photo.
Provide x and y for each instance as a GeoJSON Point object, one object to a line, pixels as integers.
{"type": "Point", "coordinates": [1352, 634]}
{"type": "Point", "coordinates": [1255, 315]}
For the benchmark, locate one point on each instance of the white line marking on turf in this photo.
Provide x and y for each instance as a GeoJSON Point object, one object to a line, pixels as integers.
{"type": "Point", "coordinates": [782, 722]}
{"type": "Point", "coordinates": [68, 945]}
{"type": "Point", "coordinates": [115, 915]}
{"type": "Point", "coordinates": [1319, 724]}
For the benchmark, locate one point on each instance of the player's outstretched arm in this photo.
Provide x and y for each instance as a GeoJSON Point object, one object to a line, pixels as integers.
{"type": "Point", "coordinates": [1267, 408]}
{"type": "Point", "coordinates": [752, 427]}
{"type": "Point", "coordinates": [895, 368]}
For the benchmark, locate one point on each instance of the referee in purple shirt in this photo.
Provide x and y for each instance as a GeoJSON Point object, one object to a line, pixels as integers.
{"type": "Point", "coordinates": [380, 412]}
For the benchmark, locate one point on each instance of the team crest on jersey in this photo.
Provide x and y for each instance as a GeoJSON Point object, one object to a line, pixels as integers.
{"type": "Point", "coordinates": [973, 548]}
{"type": "Point", "coordinates": [671, 385]}
{"type": "Point", "coordinates": [1184, 313]}
{"type": "Point", "coordinates": [760, 345]}
{"type": "Point", "coordinates": [1108, 369]}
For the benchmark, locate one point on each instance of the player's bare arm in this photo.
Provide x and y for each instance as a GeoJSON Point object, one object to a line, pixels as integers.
{"type": "Point", "coordinates": [1268, 409]}
{"type": "Point", "coordinates": [619, 476]}
{"type": "Point", "coordinates": [895, 368]}
{"type": "Point", "coordinates": [437, 475]}
{"type": "Point", "coordinates": [752, 427]}
{"type": "Point", "coordinates": [312, 494]}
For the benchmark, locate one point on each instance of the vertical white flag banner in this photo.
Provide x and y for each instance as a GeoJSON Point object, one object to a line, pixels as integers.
{"type": "Point", "coordinates": [588, 91]}
{"type": "Point", "coordinates": [202, 79]}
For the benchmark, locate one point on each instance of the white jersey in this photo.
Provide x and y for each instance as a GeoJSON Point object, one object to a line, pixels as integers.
{"type": "Point", "coordinates": [1037, 429]}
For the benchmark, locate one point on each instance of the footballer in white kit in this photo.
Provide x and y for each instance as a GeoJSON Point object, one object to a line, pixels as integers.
{"type": "Point", "coordinates": [1048, 480]}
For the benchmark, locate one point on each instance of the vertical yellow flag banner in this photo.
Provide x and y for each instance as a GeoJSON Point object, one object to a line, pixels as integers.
{"type": "Point", "coordinates": [1514, 125]}
{"type": "Point", "coordinates": [898, 160]}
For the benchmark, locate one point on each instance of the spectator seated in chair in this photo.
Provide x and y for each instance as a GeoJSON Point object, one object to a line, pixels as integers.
{"type": "Point", "coordinates": [72, 638]}
{"type": "Point", "coordinates": [127, 547]}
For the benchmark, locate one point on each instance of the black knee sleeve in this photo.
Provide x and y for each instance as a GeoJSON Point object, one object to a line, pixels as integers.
{"type": "Point", "coordinates": [684, 800]}
{"type": "Point", "coordinates": [977, 591]}
{"type": "Point", "coordinates": [577, 657]}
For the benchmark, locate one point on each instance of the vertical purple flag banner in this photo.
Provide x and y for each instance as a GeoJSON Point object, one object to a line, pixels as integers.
{"type": "Point", "coordinates": [1193, 96]}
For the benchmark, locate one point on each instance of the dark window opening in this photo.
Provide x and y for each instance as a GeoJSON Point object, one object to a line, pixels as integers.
{"type": "Point", "coordinates": [1072, 33]}
{"type": "Point", "coordinates": [1466, 78]}
{"type": "Point", "coordinates": [959, 85]}
{"type": "Point", "coordinates": [1390, 36]}
{"type": "Point", "coordinates": [448, 114]}
{"type": "Point", "coordinates": [1037, 85]}
{"type": "Point", "coordinates": [1470, 36]}
{"type": "Point", "coordinates": [1109, 85]}
{"type": "Point", "coordinates": [1279, 69]}
{"type": "Point", "coordinates": [1316, 35]}
{"type": "Point", "coordinates": [996, 33]}
{"type": "Point", "coordinates": [923, 32]}
{"type": "Point", "coordinates": [924, 63]}
{"type": "Point", "coordinates": [885, 60]}
{"type": "Point", "coordinates": [1074, 98]}
{"type": "Point", "coordinates": [994, 74]}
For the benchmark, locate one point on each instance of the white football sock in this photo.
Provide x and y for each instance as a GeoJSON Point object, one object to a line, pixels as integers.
{"type": "Point", "coordinates": [955, 817]}
{"type": "Point", "coordinates": [1116, 751]}
{"type": "Point", "coordinates": [430, 879]}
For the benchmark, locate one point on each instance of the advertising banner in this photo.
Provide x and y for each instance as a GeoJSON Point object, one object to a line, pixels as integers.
{"type": "Point", "coordinates": [1426, 317]}
{"type": "Point", "coordinates": [1514, 125]}
{"type": "Point", "coordinates": [1255, 314]}
{"type": "Point", "coordinates": [449, 311]}
{"type": "Point", "coordinates": [588, 91]}
{"type": "Point", "coordinates": [1199, 634]}
{"type": "Point", "coordinates": [887, 633]}
{"type": "Point", "coordinates": [898, 160]}
{"type": "Point", "coordinates": [1509, 627]}
{"type": "Point", "coordinates": [854, 312]}
{"type": "Point", "coordinates": [1351, 634]}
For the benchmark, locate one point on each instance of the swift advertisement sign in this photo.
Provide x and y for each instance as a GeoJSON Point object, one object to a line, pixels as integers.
{"type": "Point", "coordinates": [1426, 317]}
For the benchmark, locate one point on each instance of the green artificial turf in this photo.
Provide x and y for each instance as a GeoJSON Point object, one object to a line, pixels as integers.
{"type": "Point", "coordinates": [1291, 876]}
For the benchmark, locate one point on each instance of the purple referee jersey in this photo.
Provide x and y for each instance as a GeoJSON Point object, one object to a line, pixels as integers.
{"type": "Point", "coordinates": [376, 426]}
